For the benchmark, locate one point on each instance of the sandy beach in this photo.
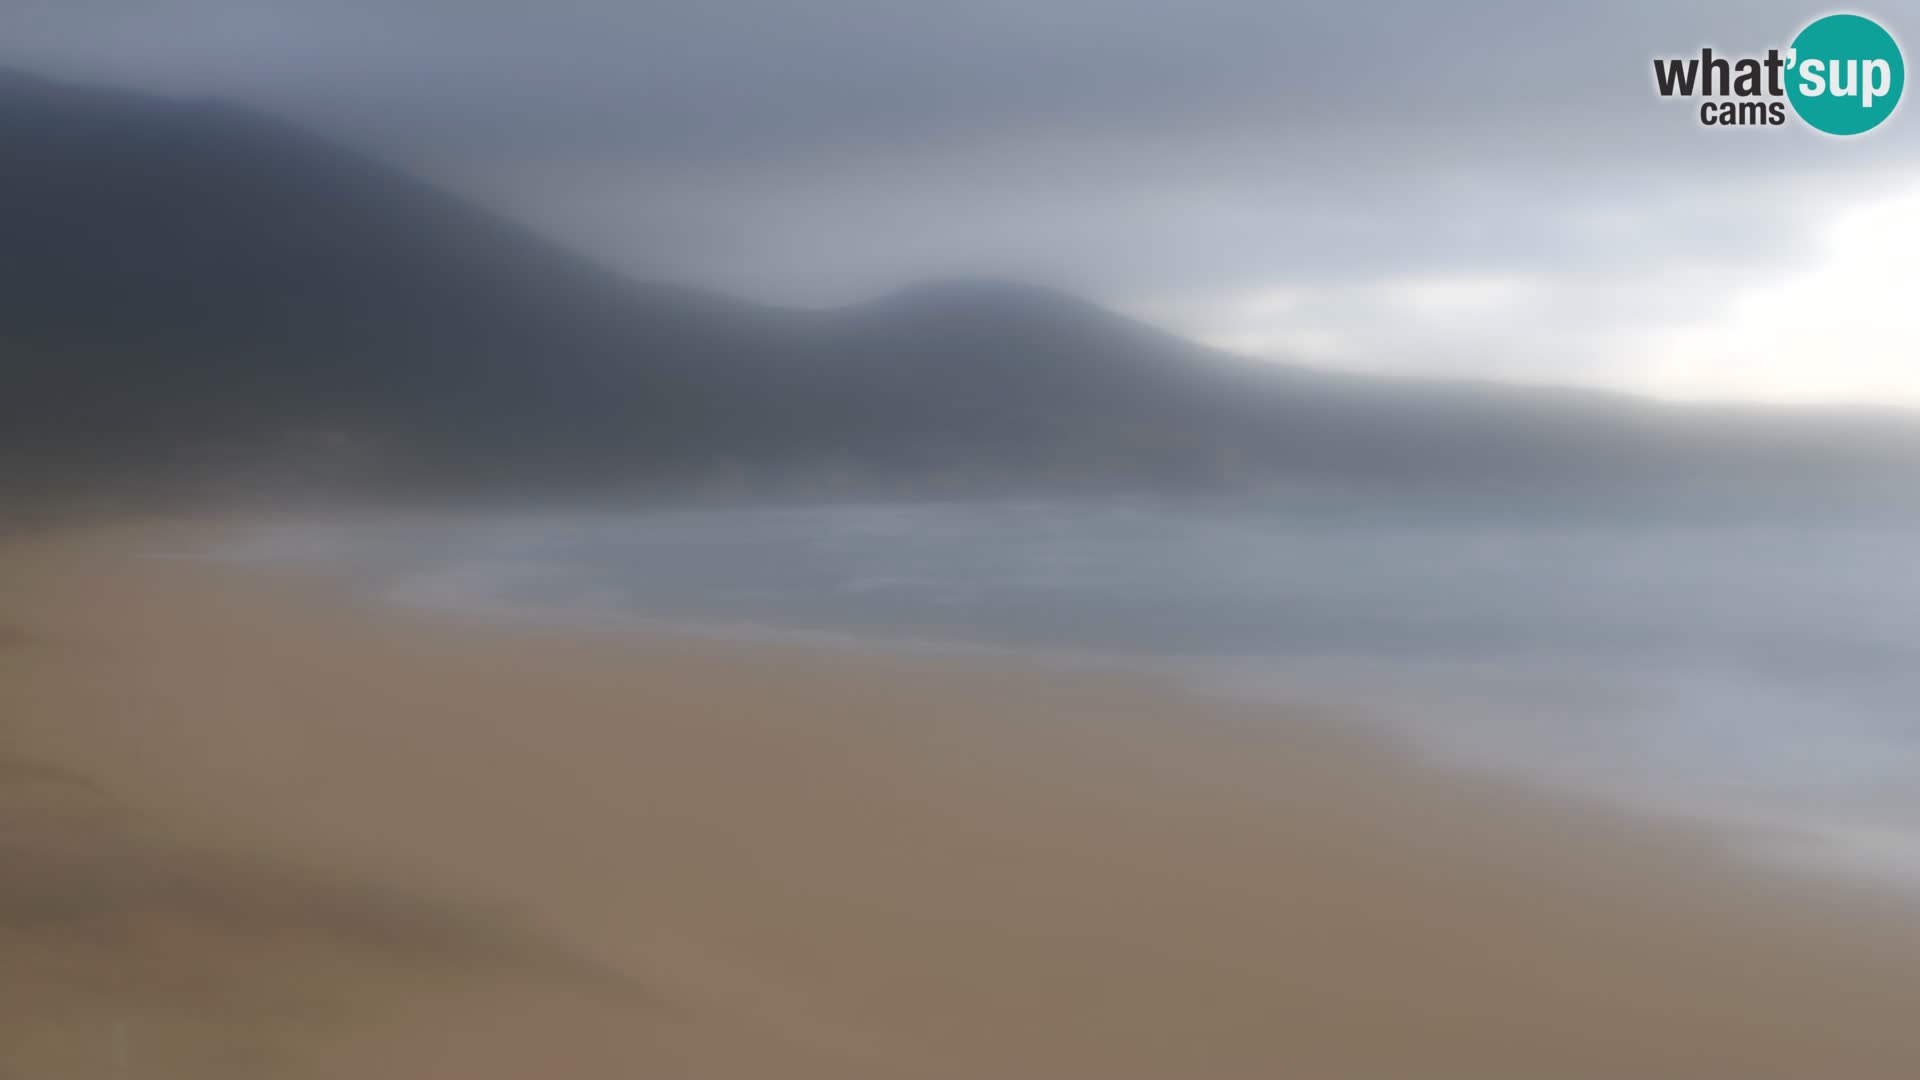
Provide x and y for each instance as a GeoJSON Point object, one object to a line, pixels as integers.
{"type": "Point", "coordinates": [250, 826]}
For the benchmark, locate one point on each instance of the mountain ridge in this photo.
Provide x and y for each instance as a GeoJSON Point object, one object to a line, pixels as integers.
{"type": "Point", "coordinates": [203, 284]}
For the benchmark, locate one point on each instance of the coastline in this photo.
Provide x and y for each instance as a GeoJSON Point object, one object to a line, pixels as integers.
{"type": "Point", "coordinates": [256, 826]}
{"type": "Point", "coordinates": [1577, 725]}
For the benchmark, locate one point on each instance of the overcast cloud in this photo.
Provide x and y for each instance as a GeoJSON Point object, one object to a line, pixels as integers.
{"type": "Point", "coordinates": [1488, 189]}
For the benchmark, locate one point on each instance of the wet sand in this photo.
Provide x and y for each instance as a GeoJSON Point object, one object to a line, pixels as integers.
{"type": "Point", "coordinates": [252, 827]}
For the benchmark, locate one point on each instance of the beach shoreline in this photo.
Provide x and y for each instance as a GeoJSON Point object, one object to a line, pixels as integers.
{"type": "Point", "coordinates": [256, 826]}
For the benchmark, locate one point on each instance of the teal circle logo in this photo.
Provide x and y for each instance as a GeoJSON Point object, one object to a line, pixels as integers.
{"type": "Point", "coordinates": [1845, 74]}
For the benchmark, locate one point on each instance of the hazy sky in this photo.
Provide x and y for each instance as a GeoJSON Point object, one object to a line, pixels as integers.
{"type": "Point", "coordinates": [1490, 189]}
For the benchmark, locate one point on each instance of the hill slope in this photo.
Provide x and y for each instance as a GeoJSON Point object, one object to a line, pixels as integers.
{"type": "Point", "coordinates": [190, 287]}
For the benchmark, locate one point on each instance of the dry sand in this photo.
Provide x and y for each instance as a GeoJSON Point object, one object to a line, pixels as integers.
{"type": "Point", "coordinates": [250, 828]}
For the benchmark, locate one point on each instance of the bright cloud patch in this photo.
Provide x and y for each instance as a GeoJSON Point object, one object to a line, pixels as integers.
{"type": "Point", "coordinates": [1846, 328]}
{"type": "Point", "coordinates": [1459, 296]}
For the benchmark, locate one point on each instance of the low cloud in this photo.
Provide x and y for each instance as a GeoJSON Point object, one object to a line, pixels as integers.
{"type": "Point", "coordinates": [1483, 189]}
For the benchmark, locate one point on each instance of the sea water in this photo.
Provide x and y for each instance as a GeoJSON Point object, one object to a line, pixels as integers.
{"type": "Point", "coordinates": [1753, 664]}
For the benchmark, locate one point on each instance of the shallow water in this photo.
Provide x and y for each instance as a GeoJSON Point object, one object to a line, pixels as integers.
{"type": "Point", "coordinates": [1754, 665]}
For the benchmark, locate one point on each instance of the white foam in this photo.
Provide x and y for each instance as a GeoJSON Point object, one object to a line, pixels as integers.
{"type": "Point", "coordinates": [1553, 684]}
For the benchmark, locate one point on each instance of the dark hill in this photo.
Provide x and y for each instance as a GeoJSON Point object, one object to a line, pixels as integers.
{"type": "Point", "coordinates": [191, 289]}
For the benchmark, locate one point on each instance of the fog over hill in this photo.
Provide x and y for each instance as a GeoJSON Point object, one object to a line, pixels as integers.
{"type": "Point", "coordinates": [193, 292]}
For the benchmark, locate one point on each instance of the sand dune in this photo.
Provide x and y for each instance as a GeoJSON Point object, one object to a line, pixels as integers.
{"type": "Point", "coordinates": [248, 827]}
